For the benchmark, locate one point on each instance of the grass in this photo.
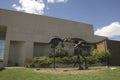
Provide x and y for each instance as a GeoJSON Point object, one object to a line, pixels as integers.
{"type": "Point", "coordinates": [30, 74]}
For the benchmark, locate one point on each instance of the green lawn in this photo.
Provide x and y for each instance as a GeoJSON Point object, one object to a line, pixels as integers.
{"type": "Point", "coordinates": [30, 74]}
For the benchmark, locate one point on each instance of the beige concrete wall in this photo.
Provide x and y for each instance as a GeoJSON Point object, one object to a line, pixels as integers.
{"type": "Point", "coordinates": [33, 28]}
{"type": "Point", "coordinates": [26, 27]}
{"type": "Point", "coordinates": [41, 49]}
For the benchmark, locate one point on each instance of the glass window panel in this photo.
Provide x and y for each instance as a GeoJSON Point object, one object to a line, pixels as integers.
{"type": "Point", "coordinates": [2, 46]}
{"type": "Point", "coordinates": [1, 54]}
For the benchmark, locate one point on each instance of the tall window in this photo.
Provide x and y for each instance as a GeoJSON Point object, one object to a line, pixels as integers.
{"type": "Point", "coordinates": [2, 48]}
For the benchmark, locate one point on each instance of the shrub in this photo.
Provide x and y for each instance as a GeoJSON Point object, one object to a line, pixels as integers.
{"type": "Point", "coordinates": [43, 61]}
{"type": "Point", "coordinates": [91, 60]}
{"type": "Point", "coordinates": [28, 62]}
{"type": "Point", "coordinates": [73, 59]}
{"type": "Point", "coordinates": [101, 55]}
{"type": "Point", "coordinates": [66, 60]}
{"type": "Point", "coordinates": [60, 52]}
{"type": "Point", "coordinates": [59, 60]}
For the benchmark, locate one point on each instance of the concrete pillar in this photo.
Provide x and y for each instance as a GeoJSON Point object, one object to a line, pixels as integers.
{"type": "Point", "coordinates": [6, 52]}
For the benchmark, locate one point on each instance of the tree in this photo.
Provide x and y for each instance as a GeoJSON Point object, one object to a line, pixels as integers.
{"type": "Point", "coordinates": [101, 55]}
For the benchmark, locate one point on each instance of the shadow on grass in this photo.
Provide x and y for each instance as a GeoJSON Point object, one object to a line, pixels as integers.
{"type": "Point", "coordinates": [2, 69]}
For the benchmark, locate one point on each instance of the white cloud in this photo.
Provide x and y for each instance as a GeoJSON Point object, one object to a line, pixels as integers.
{"type": "Point", "coordinates": [30, 6]}
{"type": "Point", "coordinates": [56, 1]}
{"type": "Point", "coordinates": [18, 8]}
{"type": "Point", "coordinates": [110, 31]}
{"type": "Point", "coordinates": [35, 6]}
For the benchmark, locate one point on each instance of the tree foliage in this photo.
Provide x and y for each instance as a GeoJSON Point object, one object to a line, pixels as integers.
{"type": "Point", "coordinates": [60, 52]}
{"type": "Point", "coordinates": [101, 55]}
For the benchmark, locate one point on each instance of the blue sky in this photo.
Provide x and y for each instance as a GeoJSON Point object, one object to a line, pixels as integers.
{"type": "Point", "coordinates": [104, 15]}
